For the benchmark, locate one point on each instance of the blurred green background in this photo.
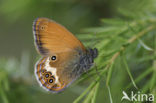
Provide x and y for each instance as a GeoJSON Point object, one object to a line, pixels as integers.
{"type": "Point", "coordinates": [18, 54]}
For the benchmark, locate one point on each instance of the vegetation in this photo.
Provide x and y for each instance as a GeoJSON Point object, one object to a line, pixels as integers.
{"type": "Point", "coordinates": [125, 39]}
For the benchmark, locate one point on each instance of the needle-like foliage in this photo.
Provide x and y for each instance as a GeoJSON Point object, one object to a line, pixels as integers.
{"type": "Point", "coordinates": [126, 42]}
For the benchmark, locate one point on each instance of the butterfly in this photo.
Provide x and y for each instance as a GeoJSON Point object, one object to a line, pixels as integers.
{"type": "Point", "coordinates": [64, 57]}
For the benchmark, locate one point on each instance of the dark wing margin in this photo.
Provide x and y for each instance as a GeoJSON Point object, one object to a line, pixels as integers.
{"type": "Point", "coordinates": [37, 36]}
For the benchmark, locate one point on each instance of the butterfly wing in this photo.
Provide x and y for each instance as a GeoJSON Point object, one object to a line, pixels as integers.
{"type": "Point", "coordinates": [52, 39]}
{"type": "Point", "coordinates": [60, 72]}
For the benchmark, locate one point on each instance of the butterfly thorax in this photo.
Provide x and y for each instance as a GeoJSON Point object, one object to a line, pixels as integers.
{"type": "Point", "coordinates": [86, 60]}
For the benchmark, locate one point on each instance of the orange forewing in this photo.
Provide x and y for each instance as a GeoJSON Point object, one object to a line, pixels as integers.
{"type": "Point", "coordinates": [52, 37]}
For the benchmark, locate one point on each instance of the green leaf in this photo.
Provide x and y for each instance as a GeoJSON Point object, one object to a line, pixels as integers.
{"type": "Point", "coordinates": [85, 92]}
{"type": "Point", "coordinates": [145, 46]}
{"type": "Point", "coordinates": [101, 29]}
{"type": "Point", "coordinates": [153, 79]}
{"type": "Point", "coordinates": [115, 21]}
{"type": "Point", "coordinates": [110, 96]}
{"type": "Point", "coordinates": [141, 76]}
{"type": "Point", "coordinates": [89, 96]}
{"type": "Point", "coordinates": [109, 74]}
{"type": "Point", "coordinates": [3, 96]}
{"type": "Point", "coordinates": [95, 93]}
{"type": "Point", "coordinates": [128, 71]}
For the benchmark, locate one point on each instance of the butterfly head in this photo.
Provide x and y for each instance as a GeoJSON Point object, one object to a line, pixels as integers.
{"type": "Point", "coordinates": [93, 53]}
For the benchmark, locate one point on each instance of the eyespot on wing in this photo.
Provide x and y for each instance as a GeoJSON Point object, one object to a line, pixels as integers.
{"type": "Point", "coordinates": [51, 37]}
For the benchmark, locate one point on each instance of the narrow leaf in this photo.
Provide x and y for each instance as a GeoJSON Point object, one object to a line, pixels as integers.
{"type": "Point", "coordinates": [85, 92]}
{"type": "Point", "coordinates": [110, 96]}
{"type": "Point", "coordinates": [113, 21]}
{"type": "Point", "coordinates": [109, 74]}
{"type": "Point", "coordinates": [128, 71]}
{"type": "Point", "coordinates": [141, 76]}
{"type": "Point", "coordinates": [89, 96]}
{"type": "Point", "coordinates": [95, 93]}
{"type": "Point", "coordinates": [145, 46]}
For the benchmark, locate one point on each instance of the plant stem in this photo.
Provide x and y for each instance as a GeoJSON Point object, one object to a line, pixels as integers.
{"type": "Point", "coordinates": [130, 41]}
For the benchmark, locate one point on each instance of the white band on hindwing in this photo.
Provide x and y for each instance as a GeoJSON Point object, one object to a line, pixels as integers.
{"type": "Point", "coordinates": [52, 70]}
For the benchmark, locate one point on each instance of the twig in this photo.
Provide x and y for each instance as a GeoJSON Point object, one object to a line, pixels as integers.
{"type": "Point", "coordinates": [130, 41]}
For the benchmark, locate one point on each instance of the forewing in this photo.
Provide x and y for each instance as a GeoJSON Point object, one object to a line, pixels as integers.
{"type": "Point", "coordinates": [51, 37]}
